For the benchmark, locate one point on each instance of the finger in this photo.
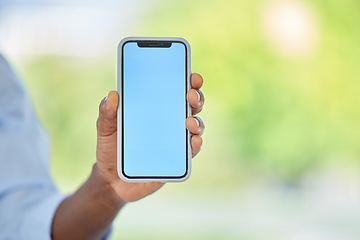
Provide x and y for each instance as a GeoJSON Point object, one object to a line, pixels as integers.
{"type": "Point", "coordinates": [196, 80]}
{"type": "Point", "coordinates": [106, 122]}
{"type": "Point", "coordinates": [196, 144]}
{"type": "Point", "coordinates": [196, 100]}
{"type": "Point", "coordinates": [195, 125]}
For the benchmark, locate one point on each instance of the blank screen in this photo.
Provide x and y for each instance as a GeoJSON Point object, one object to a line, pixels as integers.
{"type": "Point", "coordinates": [154, 111]}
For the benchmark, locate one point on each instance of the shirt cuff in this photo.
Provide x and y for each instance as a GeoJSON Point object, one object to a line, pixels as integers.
{"type": "Point", "coordinates": [37, 222]}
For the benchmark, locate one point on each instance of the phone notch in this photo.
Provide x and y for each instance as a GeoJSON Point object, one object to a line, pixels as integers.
{"type": "Point", "coordinates": [154, 44]}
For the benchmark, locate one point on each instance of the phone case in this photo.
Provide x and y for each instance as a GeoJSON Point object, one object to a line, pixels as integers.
{"type": "Point", "coordinates": [119, 115]}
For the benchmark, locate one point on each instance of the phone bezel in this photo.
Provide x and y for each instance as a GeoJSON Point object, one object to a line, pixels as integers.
{"type": "Point", "coordinates": [120, 137]}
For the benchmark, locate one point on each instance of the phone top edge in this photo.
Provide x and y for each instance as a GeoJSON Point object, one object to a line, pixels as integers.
{"type": "Point", "coordinates": [174, 39]}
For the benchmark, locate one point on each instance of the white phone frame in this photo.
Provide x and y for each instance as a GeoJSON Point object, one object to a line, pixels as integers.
{"type": "Point", "coordinates": [119, 112]}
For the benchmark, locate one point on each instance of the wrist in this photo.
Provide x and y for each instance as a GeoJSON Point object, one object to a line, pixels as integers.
{"type": "Point", "coordinates": [105, 187]}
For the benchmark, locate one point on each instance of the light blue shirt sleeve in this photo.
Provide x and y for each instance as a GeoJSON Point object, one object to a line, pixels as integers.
{"type": "Point", "coordinates": [28, 196]}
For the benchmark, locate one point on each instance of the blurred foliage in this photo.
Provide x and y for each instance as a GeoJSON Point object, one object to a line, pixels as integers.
{"type": "Point", "coordinates": [264, 112]}
{"type": "Point", "coordinates": [280, 115]}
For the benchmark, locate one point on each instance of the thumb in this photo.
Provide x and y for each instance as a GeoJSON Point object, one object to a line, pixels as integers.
{"type": "Point", "coordinates": [107, 121]}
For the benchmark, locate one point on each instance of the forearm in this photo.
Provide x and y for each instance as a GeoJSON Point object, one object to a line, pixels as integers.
{"type": "Point", "coordinates": [89, 212]}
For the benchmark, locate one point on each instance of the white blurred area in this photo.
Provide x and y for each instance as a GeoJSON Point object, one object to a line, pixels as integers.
{"type": "Point", "coordinates": [65, 28]}
{"type": "Point", "coordinates": [324, 205]}
{"type": "Point", "coordinates": [290, 27]}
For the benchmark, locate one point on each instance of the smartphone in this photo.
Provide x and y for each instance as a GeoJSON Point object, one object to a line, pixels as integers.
{"type": "Point", "coordinates": [152, 81]}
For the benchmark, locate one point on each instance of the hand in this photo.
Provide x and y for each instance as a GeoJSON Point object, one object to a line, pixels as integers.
{"type": "Point", "coordinates": [106, 152]}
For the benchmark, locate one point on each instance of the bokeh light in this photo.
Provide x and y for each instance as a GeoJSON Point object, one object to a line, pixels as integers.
{"type": "Point", "coordinates": [291, 27]}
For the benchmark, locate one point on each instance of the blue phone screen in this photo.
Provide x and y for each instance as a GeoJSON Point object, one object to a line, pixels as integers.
{"type": "Point", "coordinates": [154, 110]}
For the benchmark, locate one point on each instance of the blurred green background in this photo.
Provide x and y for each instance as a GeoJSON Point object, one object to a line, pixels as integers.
{"type": "Point", "coordinates": [281, 145]}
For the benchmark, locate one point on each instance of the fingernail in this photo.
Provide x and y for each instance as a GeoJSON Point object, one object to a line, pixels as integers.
{"type": "Point", "coordinates": [198, 95]}
{"type": "Point", "coordinates": [197, 122]}
{"type": "Point", "coordinates": [106, 98]}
